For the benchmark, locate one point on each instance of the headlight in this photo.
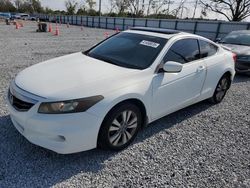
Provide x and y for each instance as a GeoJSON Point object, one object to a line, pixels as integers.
{"type": "Point", "coordinates": [69, 106]}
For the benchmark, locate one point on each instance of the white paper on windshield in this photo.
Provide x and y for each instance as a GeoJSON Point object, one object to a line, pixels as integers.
{"type": "Point", "coordinates": [149, 43]}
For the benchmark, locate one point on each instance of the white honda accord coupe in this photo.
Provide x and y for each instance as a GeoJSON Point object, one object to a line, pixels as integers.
{"type": "Point", "coordinates": [103, 96]}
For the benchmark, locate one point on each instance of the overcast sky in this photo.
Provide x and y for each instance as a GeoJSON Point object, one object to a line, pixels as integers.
{"type": "Point", "coordinates": [60, 5]}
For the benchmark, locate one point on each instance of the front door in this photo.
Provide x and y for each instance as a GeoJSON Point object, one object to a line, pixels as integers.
{"type": "Point", "coordinates": [172, 91]}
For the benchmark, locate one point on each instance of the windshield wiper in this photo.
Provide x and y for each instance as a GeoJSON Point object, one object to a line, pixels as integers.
{"type": "Point", "coordinates": [108, 60]}
{"type": "Point", "coordinates": [103, 59]}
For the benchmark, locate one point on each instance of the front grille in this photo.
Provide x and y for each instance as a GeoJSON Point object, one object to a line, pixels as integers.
{"type": "Point", "coordinates": [18, 104]}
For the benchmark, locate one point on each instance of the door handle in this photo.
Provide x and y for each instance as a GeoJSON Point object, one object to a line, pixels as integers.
{"type": "Point", "coordinates": [201, 68]}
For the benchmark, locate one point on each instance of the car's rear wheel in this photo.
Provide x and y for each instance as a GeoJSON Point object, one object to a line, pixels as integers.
{"type": "Point", "coordinates": [221, 89]}
{"type": "Point", "coordinates": [120, 127]}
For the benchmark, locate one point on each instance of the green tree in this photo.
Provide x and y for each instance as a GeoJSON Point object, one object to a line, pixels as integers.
{"type": "Point", "coordinates": [29, 6]}
{"type": "Point", "coordinates": [7, 6]}
{"type": "Point", "coordinates": [71, 6]}
{"type": "Point", "coordinates": [48, 10]}
{"type": "Point", "coordinates": [91, 4]}
{"type": "Point", "coordinates": [37, 7]}
{"type": "Point", "coordinates": [81, 11]}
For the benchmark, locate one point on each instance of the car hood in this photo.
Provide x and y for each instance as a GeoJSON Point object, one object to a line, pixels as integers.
{"type": "Point", "coordinates": [238, 49]}
{"type": "Point", "coordinates": [73, 76]}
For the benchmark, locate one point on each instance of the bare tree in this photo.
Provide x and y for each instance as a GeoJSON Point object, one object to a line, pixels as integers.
{"type": "Point", "coordinates": [157, 5]}
{"type": "Point", "coordinates": [121, 5]}
{"type": "Point", "coordinates": [179, 8]}
{"type": "Point", "coordinates": [233, 10]}
{"type": "Point", "coordinates": [112, 6]}
{"type": "Point", "coordinates": [134, 6]}
{"type": "Point", "coordinates": [150, 2]}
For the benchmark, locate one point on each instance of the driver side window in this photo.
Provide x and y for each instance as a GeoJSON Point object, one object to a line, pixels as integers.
{"type": "Point", "coordinates": [183, 51]}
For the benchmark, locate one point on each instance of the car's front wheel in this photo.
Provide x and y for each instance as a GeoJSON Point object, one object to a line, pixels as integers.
{"type": "Point", "coordinates": [221, 89]}
{"type": "Point", "coordinates": [120, 127]}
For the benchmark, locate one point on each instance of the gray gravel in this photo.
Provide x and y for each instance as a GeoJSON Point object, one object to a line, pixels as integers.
{"type": "Point", "coordinates": [200, 146]}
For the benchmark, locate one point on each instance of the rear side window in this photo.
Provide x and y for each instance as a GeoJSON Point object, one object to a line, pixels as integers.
{"type": "Point", "coordinates": [183, 51]}
{"type": "Point", "coordinates": [207, 49]}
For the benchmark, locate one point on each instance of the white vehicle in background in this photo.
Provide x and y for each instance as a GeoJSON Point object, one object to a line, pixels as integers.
{"type": "Point", "coordinates": [24, 16]}
{"type": "Point", "coordinates": [16, 16]}
{"type": "Point", "coordinates": [32, 18]}
{"type": "Point", "coordinates": [102, 97]}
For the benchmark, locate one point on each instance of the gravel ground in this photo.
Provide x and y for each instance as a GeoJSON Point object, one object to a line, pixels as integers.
{"type": "Point", "coordinates": [200, 146]}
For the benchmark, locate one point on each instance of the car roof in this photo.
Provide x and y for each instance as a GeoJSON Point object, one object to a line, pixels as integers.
{"type": "Point", "coordinates": [165, 33]}
{"type": "Point", "coordinates": [22, 14]}
{"type": "Point", "coordinates": [156, 30]}
{"type": "Point", "coordinates": [242, 31]}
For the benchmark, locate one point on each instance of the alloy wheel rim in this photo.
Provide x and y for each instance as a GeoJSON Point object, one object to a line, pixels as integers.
{"type": "Point", "coordinates": [123, 128]}
{"type": "Point", "coordinates": [221, 89]}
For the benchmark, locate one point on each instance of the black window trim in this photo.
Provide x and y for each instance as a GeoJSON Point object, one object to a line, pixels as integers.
{"type": "Point", "coordinates": [160, 65]}
{"type": "Point", "coordinates": [99, 43]}
{"type": "Point", "coordinates": [217, 48]}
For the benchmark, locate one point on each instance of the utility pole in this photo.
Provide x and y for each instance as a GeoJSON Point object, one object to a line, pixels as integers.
{"type": "Point", "coordinates": [195, 7]}
{"type": "Point", "coordinates": [182, 7]}
{"type": "Point", "coordinates": [100, 8]}
{"type": "Point", "coordinates": [143, 4]}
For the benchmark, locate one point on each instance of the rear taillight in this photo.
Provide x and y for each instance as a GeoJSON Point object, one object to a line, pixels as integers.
{"type": "Point", "coordinates": [234, 57]}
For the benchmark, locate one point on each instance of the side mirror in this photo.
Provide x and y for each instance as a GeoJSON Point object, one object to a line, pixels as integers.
{"type": "Point", "coordinates": [172, 67]}
{"type": "Point", "coordinates": [217, 40]}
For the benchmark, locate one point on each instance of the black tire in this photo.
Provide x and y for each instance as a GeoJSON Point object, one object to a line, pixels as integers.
{"type": "Point", "coordinates": [221, 89]}
{"type": "Point", "coordinates": [106, 133]}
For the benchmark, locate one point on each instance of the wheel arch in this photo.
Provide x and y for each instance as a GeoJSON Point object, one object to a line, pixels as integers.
{"type": "Point", "coordinates": [134, 101]}
{"type": "Point", "coordinates": [230, 75]}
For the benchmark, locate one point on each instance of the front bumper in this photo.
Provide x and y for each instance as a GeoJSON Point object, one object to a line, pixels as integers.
{"type": "Point", "coordinates": [61, 133]}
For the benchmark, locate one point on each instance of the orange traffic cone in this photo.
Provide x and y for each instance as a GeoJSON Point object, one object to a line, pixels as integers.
{"type": "Point", "coordinates": [117, 30]}
{"type": "Point", "coordinates": [50, 28]}
{"type": "Point", "coordinates": [17, 25]}
{"type": "Point", "coordinates": [57, 31]}
{"type": "Point", "coordinates": [106, 34]}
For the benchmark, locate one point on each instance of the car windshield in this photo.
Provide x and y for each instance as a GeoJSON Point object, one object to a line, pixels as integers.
{"type": "Point", "coordinates": [129, 50]}
{"type": "Point", "coordinates": [238, 38]}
